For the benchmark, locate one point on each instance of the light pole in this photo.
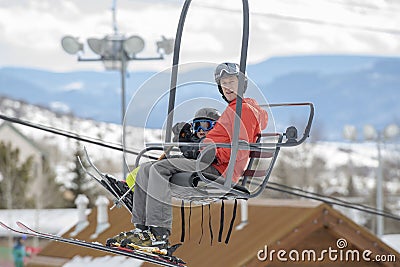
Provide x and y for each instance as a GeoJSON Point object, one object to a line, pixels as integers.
{"type": "Point", "coordinates": [372, 134]}
{"type": "Point", "coordinates": [350, 133]}
{"type": "Point", "coordinates": [115, 51]}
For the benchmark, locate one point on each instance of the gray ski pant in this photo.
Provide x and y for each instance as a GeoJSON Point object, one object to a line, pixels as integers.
{"type": "Point", "coordinates": [152, 198]}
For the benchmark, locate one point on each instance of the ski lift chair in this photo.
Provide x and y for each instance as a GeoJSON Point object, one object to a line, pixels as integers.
{"type": "Point", "coordinates": [203, 187]}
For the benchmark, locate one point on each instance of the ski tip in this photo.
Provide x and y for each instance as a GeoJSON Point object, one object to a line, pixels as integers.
{"type": "Point", "coordinates": [9, 228]}
{"type": "Point", "coordinates": [5, 226]}
{"type": "Point", "coordinates": [21, 225]}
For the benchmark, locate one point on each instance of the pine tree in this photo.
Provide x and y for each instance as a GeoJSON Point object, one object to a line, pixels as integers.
{"type": "Point", "coordinates": [15, 178]}
{"type": "Point", "coordinates": [51, 195]}
{"type": "Point", "coordinates": [81, 183]}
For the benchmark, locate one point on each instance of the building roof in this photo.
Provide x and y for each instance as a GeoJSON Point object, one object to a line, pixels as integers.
{"type": "Point", "coordinates": [53, 221]}
{"type": "Point", "coordinates": [392, 240]}
{"type": "Point", "coordinates": [277, 224]}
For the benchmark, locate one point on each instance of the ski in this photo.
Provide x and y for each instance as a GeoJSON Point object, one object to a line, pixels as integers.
{"type": "Point", "coordinates": [162, 260]}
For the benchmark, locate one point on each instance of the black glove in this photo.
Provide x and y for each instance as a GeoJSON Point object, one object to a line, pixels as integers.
{"type": "Point", "coordinates": [182, 132]}
{"type": "Point", "coordinates": [191, 153]}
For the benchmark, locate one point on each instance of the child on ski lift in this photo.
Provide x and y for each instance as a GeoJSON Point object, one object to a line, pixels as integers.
{"type": "Point", "coordinates": [152, 209]}
{"type": "Point", "coordinates": [203, 121]}
{"type": "Point", "coordinates": [194, 132]}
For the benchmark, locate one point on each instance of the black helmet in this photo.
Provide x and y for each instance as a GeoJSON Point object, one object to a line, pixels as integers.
{"type": "Point", "coordinates": [227, 69]}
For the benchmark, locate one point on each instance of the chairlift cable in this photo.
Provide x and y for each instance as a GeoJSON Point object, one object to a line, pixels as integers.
{"type": "Point", "coordinates": [329, 197]}
{"type": "Point", "coordinates": [308, 20]}
{"type": "Point", "coordinates": [323, 199]}
{"type": "Point", "coordinates": [72, 135]}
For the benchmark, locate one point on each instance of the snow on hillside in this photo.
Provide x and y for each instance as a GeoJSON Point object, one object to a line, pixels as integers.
{"type": "Point", "coordinates": [109, 132]}
{"type": "Point", "coordinates": [336, 154]}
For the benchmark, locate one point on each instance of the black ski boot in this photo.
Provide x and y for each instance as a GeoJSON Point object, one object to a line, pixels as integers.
{"type": "Point", "coordinates": [154, 240]}
{"type": "Point", "coordinates": [159, 237]}
{"type": "Point", "coordinates": [123, 238]}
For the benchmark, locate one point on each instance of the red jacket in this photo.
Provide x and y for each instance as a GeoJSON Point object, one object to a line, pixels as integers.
{"type": "Point", "coordinates": [254, 120]}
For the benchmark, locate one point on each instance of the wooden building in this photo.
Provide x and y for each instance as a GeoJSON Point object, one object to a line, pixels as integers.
{"type": "Point", "coordinates": [306, 233]}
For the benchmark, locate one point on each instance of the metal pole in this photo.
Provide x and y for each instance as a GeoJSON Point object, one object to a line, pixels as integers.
{"type": "Point", "coordinates": [8, 180]}
{"type": "Point", "coordinates": [174, 74]}
{"type": "Point", "coordinates": [114, 16]}
{"type": "Point", "coordinates": [123, 74]}
{"type": "Point", "coordinates": [379, 189]}
{"type": "Point", "coordinates": [239, 98]}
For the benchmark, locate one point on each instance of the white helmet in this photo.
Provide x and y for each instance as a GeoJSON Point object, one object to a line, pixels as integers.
{"type": "Point", "coordinates": [227, 69]}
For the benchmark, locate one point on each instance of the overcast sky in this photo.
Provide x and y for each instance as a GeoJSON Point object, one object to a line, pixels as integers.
{"type": "Point", "coordinates": [31, 30]}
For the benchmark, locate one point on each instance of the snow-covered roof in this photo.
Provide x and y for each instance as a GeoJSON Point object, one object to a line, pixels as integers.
{"type": "Point", "coordinates": [393, 241]}
{"type": "Point", "coordinates": [53, 221]}
{"type": "Point", "coordinates": [105, 261]}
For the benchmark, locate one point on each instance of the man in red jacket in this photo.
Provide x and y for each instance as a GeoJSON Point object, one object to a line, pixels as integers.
{"type": "Point", "coordinates": [152, 209]}
{"type": "Point", "coordinates": [253, 120]}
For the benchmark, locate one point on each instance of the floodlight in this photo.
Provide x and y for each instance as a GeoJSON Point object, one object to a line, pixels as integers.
{"type": "Point", "coordinates": [133, 45]}
{"type": "Point", "coordinates": [71, 45]}
{"type": "Point", "coordinates": [165, 46]}
{"type": "Point", "coordinates": [350, 132]}
{"type": "Point", "coordinates": [97, 45]}
{"type": "Point", "coordinates": [391, 131]}
{"type": "Point", "coordinates": [370, 132]}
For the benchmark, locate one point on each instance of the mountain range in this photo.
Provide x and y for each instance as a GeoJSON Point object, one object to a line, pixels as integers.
{"type": "Point", "coordinates": [355, 90]}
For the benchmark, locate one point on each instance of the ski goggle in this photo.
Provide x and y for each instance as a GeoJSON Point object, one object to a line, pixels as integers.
{"type": "Point", "coordinates": [202, 124]}
{"type": "Point", "coordinates": [226, 68]}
